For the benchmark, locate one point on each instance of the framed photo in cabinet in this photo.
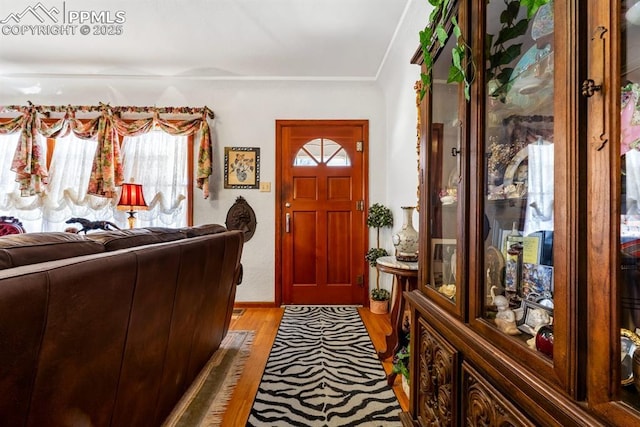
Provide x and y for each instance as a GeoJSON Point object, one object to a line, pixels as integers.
{"type": "Point", "coordinates": [537, 279]}
{"type": "Point", "coordinates": [534, 316]}
{"type": "Point", "coordinates": [443, 262]}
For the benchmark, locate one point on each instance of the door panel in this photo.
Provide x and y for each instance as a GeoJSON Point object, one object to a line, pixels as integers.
{"type": "Point", "coordinates": [321, 227]}
{"type": "Point", "coordinates": [339, 227]}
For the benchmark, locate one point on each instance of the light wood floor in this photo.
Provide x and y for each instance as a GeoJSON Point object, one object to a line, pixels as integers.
{"type": "Point", "coordinates": [265, 322]}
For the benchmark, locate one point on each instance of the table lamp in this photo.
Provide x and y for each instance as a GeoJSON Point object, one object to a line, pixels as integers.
{"type": "Point", "coordinates": [132, 200]}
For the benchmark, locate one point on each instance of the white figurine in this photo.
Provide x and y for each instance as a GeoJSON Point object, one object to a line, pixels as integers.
{"type": "Point", "coordinates": [505, 318]}
{"type": "Point", "coordinates": [538, 319]}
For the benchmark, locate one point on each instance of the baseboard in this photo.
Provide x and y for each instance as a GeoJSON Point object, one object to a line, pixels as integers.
{"type": "Point", "coordinates": [255, 304]}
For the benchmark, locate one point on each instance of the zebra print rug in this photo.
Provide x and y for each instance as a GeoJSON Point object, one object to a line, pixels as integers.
{"type": "Point", "coordinates": [323, 371]}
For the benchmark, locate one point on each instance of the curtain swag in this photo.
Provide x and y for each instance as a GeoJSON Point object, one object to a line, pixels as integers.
{"type": "Point", "coordinates": [29, 163]}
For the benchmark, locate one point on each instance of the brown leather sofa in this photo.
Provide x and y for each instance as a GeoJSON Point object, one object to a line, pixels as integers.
{"type": "Point", "coordinates": [109, 329]}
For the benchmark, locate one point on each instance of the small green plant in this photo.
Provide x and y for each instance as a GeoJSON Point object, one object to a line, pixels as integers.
{"type": "Point", "coordinates": [401, 362]}
{"type": "Point", "coordinates": [373, 254]}
{"type": "Point", "coordinates": [379, 216]}
{"type": "Point", "coordinates": [380, 294]}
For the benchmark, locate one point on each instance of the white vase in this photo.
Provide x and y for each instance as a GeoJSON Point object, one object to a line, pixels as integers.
{"type": "Point", "coordinates": [406, 240]}
{"type": "Point", "coordinates": [405, 386]}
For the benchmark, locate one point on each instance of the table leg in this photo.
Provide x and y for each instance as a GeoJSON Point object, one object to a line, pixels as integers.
{"type": "Point", "coordinates": [396, 318]}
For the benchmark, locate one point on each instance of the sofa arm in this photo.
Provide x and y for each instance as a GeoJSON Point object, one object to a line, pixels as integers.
{"type": "Point", "coordinates": [237, 279]}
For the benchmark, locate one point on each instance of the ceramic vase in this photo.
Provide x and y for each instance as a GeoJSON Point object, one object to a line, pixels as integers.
{"type": "Point", "coordinates": [406, 240]}
{"type": "Point", "coordinates": [405, 385]}
{"type": "Point", "coordinates": [544, 340]}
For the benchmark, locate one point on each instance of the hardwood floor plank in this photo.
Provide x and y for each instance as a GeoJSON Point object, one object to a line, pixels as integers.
{"type": "Point", "coordinates": [264, 322]}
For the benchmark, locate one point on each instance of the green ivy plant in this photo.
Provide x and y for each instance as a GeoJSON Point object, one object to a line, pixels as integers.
{"type": "Point", "coordinates": [499, 54]}
{"type": "Point", "coordinates": [437, 26]}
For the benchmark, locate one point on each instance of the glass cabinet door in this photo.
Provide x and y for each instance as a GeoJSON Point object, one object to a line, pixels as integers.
{"type": "Point", "coordinates": [521, 298]}
{"type": "Point", "coordinates": [629, 242]}
{"type": "Point", "coordinates": [442, 154]}
{"type": "Point", "coordinates": [444, 179]}
{"type": "Point", "coordinates": [518, 290]}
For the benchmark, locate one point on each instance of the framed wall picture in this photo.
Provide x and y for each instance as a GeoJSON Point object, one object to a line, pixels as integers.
{"type": "Point", "coordinates": [241, 167]}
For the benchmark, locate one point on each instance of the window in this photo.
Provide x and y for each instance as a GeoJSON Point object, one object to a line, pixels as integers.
{"type": "Point", "coordinates": [157, 160]}
{"type": "Point", "coordinates": [322, 151]}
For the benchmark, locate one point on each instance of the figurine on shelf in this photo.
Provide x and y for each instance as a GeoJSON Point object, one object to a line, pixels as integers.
{"type": "Point", "coordinates": [505, 318]}
{"type": "Point", "coordinates": [539, 318]}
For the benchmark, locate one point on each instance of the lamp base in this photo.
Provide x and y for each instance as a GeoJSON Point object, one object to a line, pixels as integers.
{"type": "Point", "coordinates": [131, 219]}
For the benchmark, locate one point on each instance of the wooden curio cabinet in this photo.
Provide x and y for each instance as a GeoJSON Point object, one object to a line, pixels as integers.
{"type": "Point", "coordinates": [528, 305]}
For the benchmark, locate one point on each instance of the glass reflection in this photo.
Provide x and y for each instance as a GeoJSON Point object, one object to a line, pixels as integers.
{"type": "Point", "coordinates": [630, 198]}
{"type": "Point", "coordinates": [444, 176]}
{"type": "Point", "coordinates": [519, 186]}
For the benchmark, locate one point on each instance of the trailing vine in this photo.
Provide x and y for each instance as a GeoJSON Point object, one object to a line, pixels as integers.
{"type": "Point", "coordinates": [498, 54]}
{"type": "Point", "coordinates": [437, 26]}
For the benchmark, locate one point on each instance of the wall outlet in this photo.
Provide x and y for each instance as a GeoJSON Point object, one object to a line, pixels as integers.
{"type": "Point", "coordinates": [265, 187]}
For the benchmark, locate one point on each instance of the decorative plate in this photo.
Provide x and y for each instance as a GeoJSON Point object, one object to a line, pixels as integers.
{"type": "Point", "coordinates": [542, 22]}
{"type": "Point", "coordinates": [494, 267]}
{"type": "Point", "coordinates": [629, 342]}
{"type": "Point", "coordinates": [514, 164]}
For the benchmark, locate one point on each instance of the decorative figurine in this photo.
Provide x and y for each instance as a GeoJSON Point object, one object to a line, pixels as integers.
{"type": "Point", "coordinates": [505, 318]}
{"type": "Point", "coordinates": [539, 318]}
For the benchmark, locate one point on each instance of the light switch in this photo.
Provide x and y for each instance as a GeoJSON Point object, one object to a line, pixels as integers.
{"type": "Point", "coordinates": [265, 187]}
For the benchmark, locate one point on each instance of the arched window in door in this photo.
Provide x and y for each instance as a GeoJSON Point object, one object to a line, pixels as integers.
{"type": "Point", "coordinates": [322, 151]}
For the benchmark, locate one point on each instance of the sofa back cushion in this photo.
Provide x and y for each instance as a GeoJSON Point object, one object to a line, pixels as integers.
{"type": "Point", "coordinates": [32, 248]}
{"type": "Point", "coordinates": [202, 230]}
{"type": "Point", "coordinates": [122, 239]}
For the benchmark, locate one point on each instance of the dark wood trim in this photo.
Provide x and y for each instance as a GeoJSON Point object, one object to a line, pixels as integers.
{"type": "Point", "coordinates": [543, 401]}
{"type": "Point", "coordinates": [255, 304]}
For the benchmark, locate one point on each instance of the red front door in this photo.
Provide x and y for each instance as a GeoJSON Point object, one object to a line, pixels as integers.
{"type": "Point", "coordinates": [321, 226]}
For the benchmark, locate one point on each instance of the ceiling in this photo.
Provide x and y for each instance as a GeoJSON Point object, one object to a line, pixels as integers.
{"type": "Point", "coordinates": [200, 39]}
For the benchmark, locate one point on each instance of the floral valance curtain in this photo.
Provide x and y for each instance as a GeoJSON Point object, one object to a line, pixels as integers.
{"type": "Point", "coordinates": [106, 174]}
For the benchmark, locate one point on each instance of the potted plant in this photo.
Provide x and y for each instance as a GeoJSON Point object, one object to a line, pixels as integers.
{"type": "Point", "coordinates": [401, 366]}
{"type": "Point", "coordinates": [379, 216]}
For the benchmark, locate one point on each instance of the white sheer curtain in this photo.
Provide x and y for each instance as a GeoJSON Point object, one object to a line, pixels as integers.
{"type": "Point", "coordinates": [68, 180]}
{"type": "Point", "coordinates": [158, 161]}
{"type": "Point", "coordinates": [26, 209]}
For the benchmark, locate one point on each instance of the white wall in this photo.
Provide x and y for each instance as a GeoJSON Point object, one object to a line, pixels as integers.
{"type": "Point", "coordinates": [397, 79]}
{"type": "Point", "coordinates": [245, 116]}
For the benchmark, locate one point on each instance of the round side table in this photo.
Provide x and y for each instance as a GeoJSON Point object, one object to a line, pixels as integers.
{"type": "Point", "coordinates": [406, 280]}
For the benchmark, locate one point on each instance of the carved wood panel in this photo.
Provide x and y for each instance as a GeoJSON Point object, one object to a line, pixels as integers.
{"type": "Point", "coordinates": [437, 378]}
{"type": "Point", "coordinates": [483, 405]}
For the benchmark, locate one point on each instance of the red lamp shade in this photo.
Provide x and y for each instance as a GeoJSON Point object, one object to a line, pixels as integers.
{"type": "Point", "coordinates": [131, 200]}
